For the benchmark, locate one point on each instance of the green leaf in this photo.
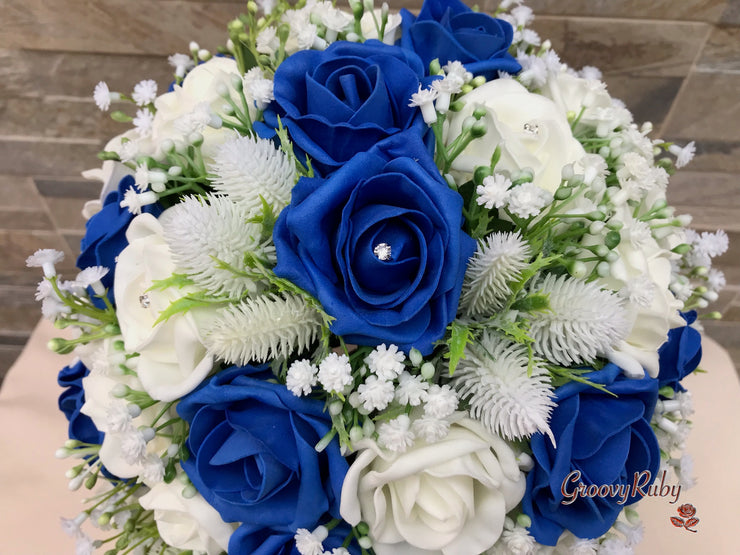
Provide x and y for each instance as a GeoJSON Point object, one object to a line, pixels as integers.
{"type": "Point", "coordinates": [561, 375]}
{"type": "Point", "coordinates": [460, 335]}
{"type": "Point", "coordinates": [532, 303]}
{"type": "Point", "coordinates": [175, 280]}
{"type": "Point", "coordinates": [184, 304]}
{"type": "Point", "coordinates": [121, 117]}
{"type": "Point", "coordinates": [266, 219]}
{"type": "Point", "coordinates": [517, 330]}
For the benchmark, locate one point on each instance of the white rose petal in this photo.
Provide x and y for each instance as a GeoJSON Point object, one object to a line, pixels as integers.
{"type": "Point", "coordinates": [173, 360]}
{"type": "Point", "coordinates": [199, 87]}
{"type": "Point", "coordinates": [470, 481]}
{"type": "Point", "coordinates": [530, 129]}
{"type": "Point", "coordinates": [186, 523]}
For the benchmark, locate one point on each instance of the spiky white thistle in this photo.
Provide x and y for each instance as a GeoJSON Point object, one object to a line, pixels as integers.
{"type": "Point", "coordinates": [499, 260]}
{"type": "Point", "coordinates": [508, 397]}
{"type": "Point", "coordinates": [203, 233]}
{"type": "Point", "coordinates": [263, 328]}
{"type": "Point", "coordinates": [247, 169]}
{"type": "Point", "coordinates": [583, 322]}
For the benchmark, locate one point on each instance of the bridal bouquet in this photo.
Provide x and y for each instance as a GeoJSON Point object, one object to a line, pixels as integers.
{"type": "Point", "coordinates": [367, 282]}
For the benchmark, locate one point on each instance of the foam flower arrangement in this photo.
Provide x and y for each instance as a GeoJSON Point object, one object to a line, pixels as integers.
{"type": "Point", "coordinates": [367, 282]}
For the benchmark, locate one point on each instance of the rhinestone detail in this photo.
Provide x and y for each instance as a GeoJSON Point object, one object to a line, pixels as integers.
{"type": "Point", "coordinates": [382, 251]}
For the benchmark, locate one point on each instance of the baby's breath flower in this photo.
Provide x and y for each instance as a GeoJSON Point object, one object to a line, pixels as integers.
{"type": "Point", "coordinates": [716, 280]}
{"type": "Point", "coordinates": [45, 259]}
{"type": "Point", "coordinates": [424, 100]}
{"type": "Point", "coordinates": [411, 390]}
{"type": "Point", "coordinates": [386, 362]}
{"type": "Point", "coordinates": [182, 63]}
{"type": "Point", "coordinates": [136, 201]}
{"type": "Point", "coordinates": [145, 92]}
{"type": "Point", "coordinates": [456, 69]}
{"type": "Point", "coordinates": [527, 200]}
{"type": "Point", "coordinates": [143, 122]}
{"type": "Point", "coordinates": [335, 373]}
{"type": "Point", "coordinates": [133, 447]}
{"type": "Point", "coordinates": [375, 393]}
{"type": "Point", "coordinates": [494, 191]}
{"type": "Point", "coordinates": [518, 540]}
{"type": "Point", "coordinates": [615, 546]}
{"type": "Point", "coordinates": [441, 402]}
{"type": "Point", "coordinates": [267, 41]}
{"type": "Point", "coordinates": [301, 377]}
{"type": "Point", "coordinates": [118, 417]}
{"type": "Point", "coordinates": [153, 470]}
{"type": "Point", "coordinates": [261, 90]}
{"type": "Point", "coordinates": [309, 543]}
{"type": "Point", "coordinates": [396, 435]}
{"type": "Point", "coordinates": [430, 429]}
{"type": "Point", "coordinates": [90, 277]}
{"type": "Point", "coordinates": [712, 244]}
{"type": "Point", "coordinates": [103, 97]}
{"type": "Point", "coordinates": [683, 155]}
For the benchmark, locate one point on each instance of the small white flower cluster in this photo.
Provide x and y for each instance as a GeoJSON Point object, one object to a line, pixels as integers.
{"type": "Point", "coordinates": [382, 383]}
{"type": "Point", "coordinates": [436, 99]}
{"type": "Point", "coordinates": [59, 299]}
{"type": "Point", "coordinates": [310, 543]}
{"type": "Point", "coordinates": [524, 200]}
{"type": "Point", "coordinates": [672, 425]}
{"type": "Point", "coordinates": [431, 424]}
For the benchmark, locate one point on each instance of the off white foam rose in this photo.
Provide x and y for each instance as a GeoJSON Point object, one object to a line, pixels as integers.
{"type": "Point", "coordinates": [571, 93]}
{"type": "Point", "coordinates": [181, 111]}
{"type": "Point", "coordinates": [99, 402]}
{"type": "Point", "coordinates": [173, 360]}
{"type": "Point", "coordinates": [644, 268]}
{"type": "Point", "coordinates": [449, 497]}
{"type": "Point", "coordinates": [187, 523]}
{"type": "Point", "coordinates": [530, 129]}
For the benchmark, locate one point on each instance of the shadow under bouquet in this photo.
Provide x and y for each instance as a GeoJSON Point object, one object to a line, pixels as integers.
{"type": "Point", "coordinates": [369, 282]}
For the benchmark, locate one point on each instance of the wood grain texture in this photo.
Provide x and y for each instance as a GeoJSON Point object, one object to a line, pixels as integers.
{"type": "Point", "coordinates": [114, 26]}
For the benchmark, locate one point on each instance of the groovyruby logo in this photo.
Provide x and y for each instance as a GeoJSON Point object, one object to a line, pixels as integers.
{"type": "Point", "coordinates": [686, 519]}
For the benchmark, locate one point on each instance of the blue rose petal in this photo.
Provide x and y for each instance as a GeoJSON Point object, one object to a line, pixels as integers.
{"type": "Point", "coordinates": [393, 194]}
{"type": "Point", "coordinates": [607, 438]}
{"type": "Point", "coordinates": [448, 30]}
{"type": "Point", "coordinates": [253, 456]}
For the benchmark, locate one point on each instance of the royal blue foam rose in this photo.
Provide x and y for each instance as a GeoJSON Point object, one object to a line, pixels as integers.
{"type": "Point", "coordinates": [450, 31]}
{"type": "Point", "coordinates": [252, 451]}
{"type": "Point", "coordinates": [81, 426]}
{"type": "Point", "coordinates": [256, 540]}
{"type": "Point", "coordinates": [681, 354]}
{"type": "Point", "coordinates": [607, 438]}
{"type": "Point", "coordinates": [345, 99]}
{"type": "Point", "coordinates": [326, 243]}
{"type": "Point", "coordinates": [105, 234]}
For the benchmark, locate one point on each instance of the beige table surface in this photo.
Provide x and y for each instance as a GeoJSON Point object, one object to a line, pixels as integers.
{"type": "Point", "coordinates": [33, 489]}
